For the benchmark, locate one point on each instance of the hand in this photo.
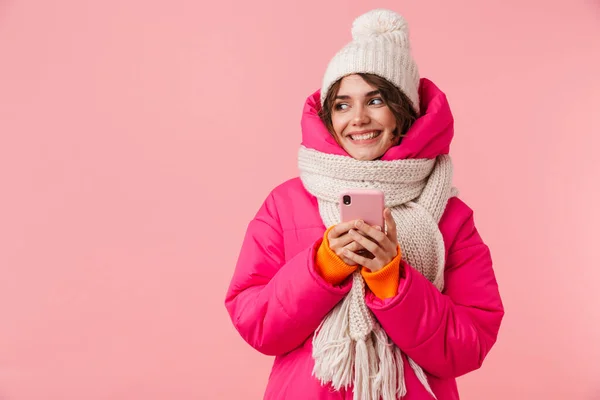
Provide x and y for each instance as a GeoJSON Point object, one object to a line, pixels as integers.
{"type": "Point", "coordinates": [339, 241]}
{"type": "Point", "coordinates": [383, 246]}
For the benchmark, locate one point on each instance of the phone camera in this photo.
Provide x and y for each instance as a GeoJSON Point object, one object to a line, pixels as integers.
{"type": "Point", "coordinates": [347, 200]}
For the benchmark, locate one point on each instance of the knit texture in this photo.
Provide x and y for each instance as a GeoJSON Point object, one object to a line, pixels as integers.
{"type": "Point", "coordinates": [380, 46]}
{"type": "Point", "coordinates": [384, 283]}
{"type": "Point", "coordinates": [349, 346]}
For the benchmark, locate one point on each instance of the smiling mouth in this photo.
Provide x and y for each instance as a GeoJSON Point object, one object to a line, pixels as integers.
{"type": "Point", "coordinates": [365, 136]}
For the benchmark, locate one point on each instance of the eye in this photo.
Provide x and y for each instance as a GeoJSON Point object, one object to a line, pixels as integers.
{"type": "Point", "coordinates": [340, 106]}
{"type": "Point", "coordinates": [376, 101]}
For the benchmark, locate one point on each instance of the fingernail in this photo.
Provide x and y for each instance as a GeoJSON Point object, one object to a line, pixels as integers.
{"type": "Point", "coordinates": [358, 223]}
{"type": "Point", "coordinates": [378, 228]}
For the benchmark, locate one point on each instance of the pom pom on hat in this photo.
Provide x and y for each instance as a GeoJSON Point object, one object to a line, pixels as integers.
{"type": "Point", "coordinates": [381, 47]}
{"type": "Point", "coordinates": [378, 22]}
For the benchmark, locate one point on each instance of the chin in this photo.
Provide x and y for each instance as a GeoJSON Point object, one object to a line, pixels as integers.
{"type": "Point", "coordinates": [365, 156]}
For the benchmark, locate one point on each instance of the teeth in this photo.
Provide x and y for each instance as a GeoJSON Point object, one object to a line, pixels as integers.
{"type": "Point", "coordinates": [366, 136]}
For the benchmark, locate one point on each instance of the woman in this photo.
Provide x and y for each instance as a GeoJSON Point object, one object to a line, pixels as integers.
{"type": "Point", "coordinates": [357, 311]}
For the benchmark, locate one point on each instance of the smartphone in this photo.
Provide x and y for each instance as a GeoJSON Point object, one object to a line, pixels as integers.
{"type": "Point", "coordinates": [364, 204]}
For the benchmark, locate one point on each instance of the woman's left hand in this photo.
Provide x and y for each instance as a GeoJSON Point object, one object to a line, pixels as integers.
{"type": "Point", "coordinates": [383, 246]}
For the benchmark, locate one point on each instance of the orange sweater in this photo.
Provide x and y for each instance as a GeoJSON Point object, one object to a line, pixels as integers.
{"type": "Point", "coordinates": [383, 283]}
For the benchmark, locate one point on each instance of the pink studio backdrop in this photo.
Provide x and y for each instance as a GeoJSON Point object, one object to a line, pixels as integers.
{"type": "Point", "coordinates": [138, 138]}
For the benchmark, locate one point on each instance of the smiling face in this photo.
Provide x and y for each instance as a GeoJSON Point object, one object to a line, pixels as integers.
{"type": "Point", "coordinates": [371, 105]}
{"type": "Point", "coordinates": [361, 121]}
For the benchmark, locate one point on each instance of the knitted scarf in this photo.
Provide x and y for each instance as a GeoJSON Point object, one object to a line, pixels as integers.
{"type": "Point", "coordinates": [350, 347]}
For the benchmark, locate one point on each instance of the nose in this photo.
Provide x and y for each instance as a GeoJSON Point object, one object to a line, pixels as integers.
{"type": "Point", "coordinates": [361, 116]}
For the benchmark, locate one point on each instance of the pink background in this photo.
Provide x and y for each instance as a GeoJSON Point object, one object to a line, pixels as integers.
{"type": "Point", "coordinates": [137, 139]}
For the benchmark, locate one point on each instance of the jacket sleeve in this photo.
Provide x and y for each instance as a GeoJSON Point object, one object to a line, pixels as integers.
{"type": "Point", "coordinates": [276, 305]}
{"type": "Point", "coordinates": [450, 333]}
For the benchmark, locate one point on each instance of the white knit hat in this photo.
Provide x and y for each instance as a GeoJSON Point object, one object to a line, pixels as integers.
{"type": "Point", "coordinates": [380, 46]}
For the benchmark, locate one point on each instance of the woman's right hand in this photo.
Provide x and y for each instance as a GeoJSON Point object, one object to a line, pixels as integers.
{"type": "Point", "coordinates": [339, 239]}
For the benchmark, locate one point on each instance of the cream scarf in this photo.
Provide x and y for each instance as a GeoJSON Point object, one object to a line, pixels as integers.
{"type": "Point", "coordinates": [350, 347]}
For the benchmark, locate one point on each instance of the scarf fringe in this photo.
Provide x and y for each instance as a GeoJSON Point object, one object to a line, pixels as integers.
{"type": "Point", "coordinates": [421, 376]}
{"type": "Point", "coordinates": [333, 349]}
{"type": "Point", "coordinates": [362, 375]}
{"type": "Point", "coordinates": [401, 386]}
{"type": "Point", "coordinates": [386, 379]}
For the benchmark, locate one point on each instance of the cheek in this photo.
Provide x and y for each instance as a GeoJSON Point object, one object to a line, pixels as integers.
{"type": "Point", "coordinates": [338, 123]}
{"type": "Point", "coordinates": [388, 120]}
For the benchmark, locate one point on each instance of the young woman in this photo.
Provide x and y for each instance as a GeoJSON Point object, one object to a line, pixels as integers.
{"type": "Point", "coordinates": [352, 311]}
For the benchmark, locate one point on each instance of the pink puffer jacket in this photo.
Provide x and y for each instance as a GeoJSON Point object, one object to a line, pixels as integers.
{"type": "Point", "coordinates": [276, 298]}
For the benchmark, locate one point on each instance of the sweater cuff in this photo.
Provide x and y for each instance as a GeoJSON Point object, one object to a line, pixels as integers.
{"type": "Point", "coordinates": [332, 268]}
{"type": "Point", "coordinates": [384, 283]}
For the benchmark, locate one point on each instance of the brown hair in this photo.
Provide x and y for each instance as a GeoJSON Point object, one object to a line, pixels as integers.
{"type": "Point", "coordinates": [398, 103]}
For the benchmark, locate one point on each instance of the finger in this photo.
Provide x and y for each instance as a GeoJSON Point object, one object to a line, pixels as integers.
{"type": "Point", "coordinates": [340, 241]}
{"type": "Point", "coordinates": [353, 246]}
{"type": "Point", "coordinates": [365, 253]}
{"type": "Point", "coordinates": [340, 229]}
{"type": "Point", "coordinates": [391, 244]}
{"type": "Point", "coordinates": [348, 261]}
{"type": "Point", "coordinates": [360, 260]}
{"type": "Point", "coordinates": [368, 244]}
{"type": "Point", "coordinates": [367, 229]}
{"type": "Point", "coordinates": [392, 233]}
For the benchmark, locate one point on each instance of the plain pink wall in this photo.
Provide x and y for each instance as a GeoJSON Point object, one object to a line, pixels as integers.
{"type": "Point", "coordinates": [138, 138]}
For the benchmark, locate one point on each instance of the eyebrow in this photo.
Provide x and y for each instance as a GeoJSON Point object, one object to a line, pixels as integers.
{"type": "Point", "coordinates": [371, 93]}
